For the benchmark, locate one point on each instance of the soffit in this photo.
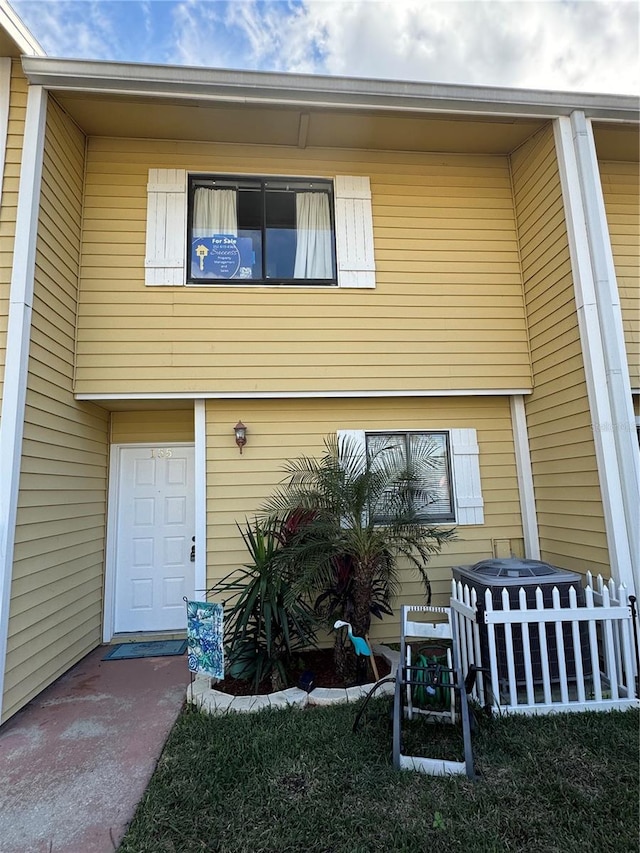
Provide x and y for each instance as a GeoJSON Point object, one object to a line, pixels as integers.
{"type": "Point", "coordinates": [159, 118]}
{"type": "Point", "coordinates": [15, 38]}
{"type": "Point", "coordinates": [136, 405]}
{"type": "Point", "coordinates": [617, 142]}
{"type": "Point", "coordinates": [7, 45]}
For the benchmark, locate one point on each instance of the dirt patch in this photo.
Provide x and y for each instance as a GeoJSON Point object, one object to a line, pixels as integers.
{"type": "Point", "coordinates": [318, 662]}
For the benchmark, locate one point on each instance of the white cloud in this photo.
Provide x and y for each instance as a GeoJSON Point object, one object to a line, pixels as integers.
{"type": "Point", "coordinates": [560, 45]}
{"type": "Point", "coordinates": [66, 29]}
{"type": "Point", "coordinates": [200, 35]}
{"type": "Point", "coordinates": [588, 45]}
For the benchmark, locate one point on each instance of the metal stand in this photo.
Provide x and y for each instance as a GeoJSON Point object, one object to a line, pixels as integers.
{"type": "Point", "coordinates": [449, 677]}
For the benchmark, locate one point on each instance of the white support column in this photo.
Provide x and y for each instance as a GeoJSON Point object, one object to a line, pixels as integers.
{"type": "Point", "coordinates": [18, 339]}
{"type": "Point", "coordinates": [593, 356]}
{"type": "Point", "coordinates": [611, 330]}
{"type": "Point", "coordinates": [201, 498]}
{"type": "Point", "coordinates": [525, 478]}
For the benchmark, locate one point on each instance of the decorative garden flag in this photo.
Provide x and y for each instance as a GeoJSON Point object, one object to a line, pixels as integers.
{"type": "Point", "coordinates": [205, 638]}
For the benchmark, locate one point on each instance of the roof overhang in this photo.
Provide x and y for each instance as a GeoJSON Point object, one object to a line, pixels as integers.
{"type": "Point", "coordinates": [15, 38]}
{"type": "Point", "coordinates": [298, 90]}
{"type": "Point", "coordinates": [111, 99]}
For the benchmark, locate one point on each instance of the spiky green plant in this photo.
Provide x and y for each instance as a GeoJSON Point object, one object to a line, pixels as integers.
{"type": "Point", "coordinates": [268, 619]}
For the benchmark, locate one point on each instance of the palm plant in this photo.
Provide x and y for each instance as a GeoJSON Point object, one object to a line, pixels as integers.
{"type": "Point", "coordinates": [268, 619]}
{"type": "Point", "coordinates": [360, 515]}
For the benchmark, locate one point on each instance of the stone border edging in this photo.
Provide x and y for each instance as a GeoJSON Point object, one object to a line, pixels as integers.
{"type": "Point", "coordinates": [201, 694]}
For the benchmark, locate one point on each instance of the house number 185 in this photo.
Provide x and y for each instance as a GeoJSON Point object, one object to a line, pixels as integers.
{"type": "Point", "coordinates": [162, 453]}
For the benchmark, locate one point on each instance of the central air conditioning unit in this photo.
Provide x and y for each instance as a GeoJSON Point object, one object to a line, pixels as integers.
{"type": "Point", "coordinates": [512, 574]}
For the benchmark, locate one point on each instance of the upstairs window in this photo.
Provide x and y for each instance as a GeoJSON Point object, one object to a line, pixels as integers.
{"type": "Point", "coordinates": [169, 233]}
{"type": "Point", "coordinates": [260, 230]}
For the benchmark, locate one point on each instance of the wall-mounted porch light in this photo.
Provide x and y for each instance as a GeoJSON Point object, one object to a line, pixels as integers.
{"type": "Point", "coordinates": [241, 434]}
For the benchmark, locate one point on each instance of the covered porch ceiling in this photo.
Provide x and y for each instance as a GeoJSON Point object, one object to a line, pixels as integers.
{"type": "Point", "coordinates": [314, 127]}
{"type": "Point", "coordinates": [239, 107]}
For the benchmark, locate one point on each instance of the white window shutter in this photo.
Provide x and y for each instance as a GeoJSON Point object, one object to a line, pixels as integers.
{"type": "Point", "coordinates": [355, 437]}
{"type": "Point", "coordinates": [354, 232]}
{"type": "Point", "coordinates": [166, 227]}
{"type": "Point", "coordinates": [466, 476]}
{"type": "Point", "coordinates": [357, 443]}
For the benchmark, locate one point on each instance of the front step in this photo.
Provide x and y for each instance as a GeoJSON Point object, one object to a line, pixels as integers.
{"type": "Point", "coordinates": [147, 637]}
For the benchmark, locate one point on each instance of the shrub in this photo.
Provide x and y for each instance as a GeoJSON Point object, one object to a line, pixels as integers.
{"type": "Point", "coordinates": [268, 619]}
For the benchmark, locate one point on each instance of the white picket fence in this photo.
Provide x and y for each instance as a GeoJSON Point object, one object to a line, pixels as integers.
{"type": "Point", "coordinates": [572, 654]}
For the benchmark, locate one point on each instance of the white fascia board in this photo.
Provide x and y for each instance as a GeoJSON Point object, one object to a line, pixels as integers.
{"type": "Point", "coordinates": [296, 395]}
{"type": "Point", "coordinates": [18, 340]}
{"type": "Point", "coordinates": [593, 358]}
{"type": "Point", "coordinates": [16, 29]}
{"type": "Point", "coordinates": [256, 87]}
{"type": "Point", "coordinates": [525, 478]}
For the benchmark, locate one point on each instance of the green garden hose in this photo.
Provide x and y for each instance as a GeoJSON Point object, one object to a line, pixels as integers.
{"type": "Point", "coordinates": [431, 676]}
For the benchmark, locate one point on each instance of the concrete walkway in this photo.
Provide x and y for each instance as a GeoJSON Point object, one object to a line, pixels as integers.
{"type": "Point", "coordinates": [75, 762]}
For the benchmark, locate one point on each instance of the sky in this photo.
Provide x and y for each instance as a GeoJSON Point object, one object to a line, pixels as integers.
{"type": "Point", "coordinates": [570, 45]}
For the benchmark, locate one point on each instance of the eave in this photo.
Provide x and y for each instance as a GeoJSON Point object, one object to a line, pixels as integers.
{"type": "Point", "coordinates": [15, 38]}
{"type": "Point", "coordinates": [321, 92]}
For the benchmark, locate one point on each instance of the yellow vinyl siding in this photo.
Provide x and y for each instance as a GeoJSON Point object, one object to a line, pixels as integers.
{"type": "Point", "coordinates": [56, 604]}
{"type": "Point", "coordinates": [152, 426]}
{"type": "Point", "coordinates": [447, 311]}
{"type": "Point", "coordinates": [621, 190]}
{"type": "Point", "coordinates": [10, 179]}
{"type": "Point", "coordinates": [237, 485]}
{"type": "Point", "coordinates": [567, 492]}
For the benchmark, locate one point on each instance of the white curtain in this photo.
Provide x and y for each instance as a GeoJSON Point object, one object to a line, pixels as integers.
{"type": "Point", "coordinates": [214, 212]}
{"type": "Point", "coordinates": [313, 226]}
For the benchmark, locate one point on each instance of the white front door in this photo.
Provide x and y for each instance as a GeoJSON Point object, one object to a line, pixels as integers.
{"type": "Point", "coordinates": [155, 525]}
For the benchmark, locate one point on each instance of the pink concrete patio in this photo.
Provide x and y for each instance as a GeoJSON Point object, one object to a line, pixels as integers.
{"type": "Point", "coordinates": [75, 762]}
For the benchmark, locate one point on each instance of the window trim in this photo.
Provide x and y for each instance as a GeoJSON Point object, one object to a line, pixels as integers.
{"type": "Point", "coordinates": [262, 180]}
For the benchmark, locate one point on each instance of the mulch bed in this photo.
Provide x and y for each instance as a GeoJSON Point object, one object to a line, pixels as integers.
{"type": "Point", "coordinates": [318, 661]}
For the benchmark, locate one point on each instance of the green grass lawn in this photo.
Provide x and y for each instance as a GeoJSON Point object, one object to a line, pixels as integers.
{"type": "Point", "coordinates": [297, 780]}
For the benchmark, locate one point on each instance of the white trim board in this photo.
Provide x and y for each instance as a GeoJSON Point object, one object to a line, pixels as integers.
{"type": "Point", "coordinates": [200, 435]}
{"type": "Point", "coordinates": [525, 479]}
{"type": "Point", "coordinates": [298, 395]}
{"type": "Point", "coordinates": [594, 360]}
{"type": "Point", "coordinates": [18, 340]}
{"type": "Point", "coordinates": [611, 330]}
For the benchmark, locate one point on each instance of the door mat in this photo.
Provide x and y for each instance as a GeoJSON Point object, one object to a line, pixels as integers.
{"type": "Point", "coordinates": [153, 649]}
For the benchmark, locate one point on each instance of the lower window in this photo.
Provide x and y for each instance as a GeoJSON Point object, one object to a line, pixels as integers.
{"type": "Point", "coordinates": [431, 450]}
